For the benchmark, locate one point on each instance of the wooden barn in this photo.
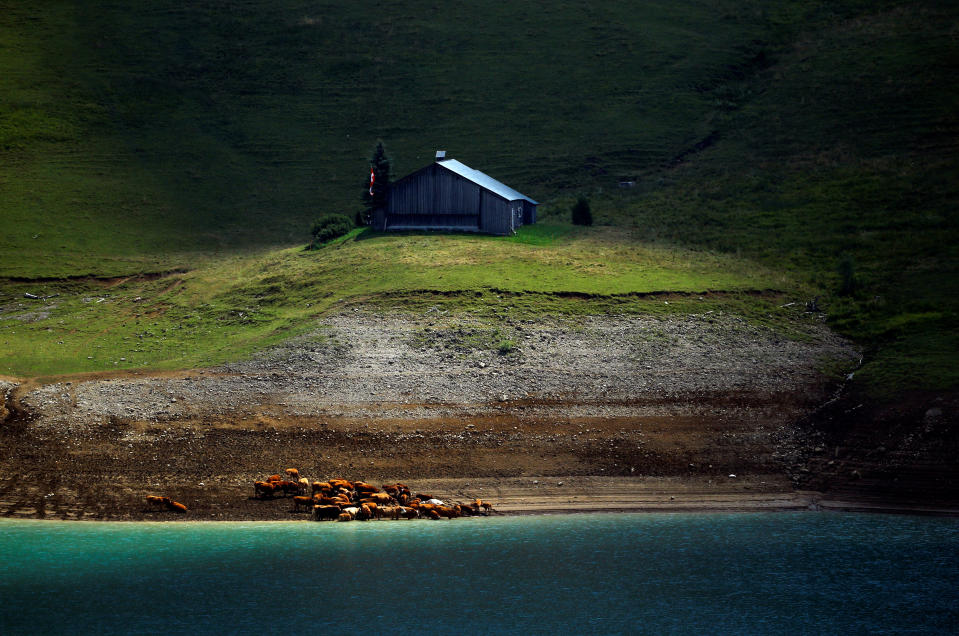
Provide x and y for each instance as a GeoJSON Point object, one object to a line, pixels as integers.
{"type": "Point", "coordinates": [448, 195]}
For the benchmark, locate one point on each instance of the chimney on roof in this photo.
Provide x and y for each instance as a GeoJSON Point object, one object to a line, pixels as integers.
{"type": "Point", "coordinates": [440, 155]}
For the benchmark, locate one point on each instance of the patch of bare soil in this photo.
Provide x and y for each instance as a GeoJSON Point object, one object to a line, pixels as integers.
{"type": "Point", "coordinates": [892, 456]}
{"type": "Point", "coordinates": [605, 412]}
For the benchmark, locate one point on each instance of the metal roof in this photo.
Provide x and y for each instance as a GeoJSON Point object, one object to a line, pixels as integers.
{"type": "Point", "coordinates": [484, 180]}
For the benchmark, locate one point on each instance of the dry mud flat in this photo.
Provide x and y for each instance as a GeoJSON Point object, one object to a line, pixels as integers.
{"type": "Point", "coordinates": [600, 412]}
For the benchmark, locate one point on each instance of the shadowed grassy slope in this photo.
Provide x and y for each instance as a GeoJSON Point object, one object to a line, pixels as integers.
{"type": "Point", "coordinates": [73, 197]}
{"type": "Point", "coordinates": [143, 131]}
{"type": "Point", "coordinates": [843, 158]}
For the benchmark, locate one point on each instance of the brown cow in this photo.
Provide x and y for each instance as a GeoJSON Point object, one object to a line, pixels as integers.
{"type": "Point", "coordinates": [409, 513]}
{"type": "Point", "coordinates": [337, 483]}
{"type": "Point", "coordinates": [263, 489]}
{"type": "Point", "coordinates": [378, 498]}
{"type": "Point", "coordinates": [176, 506]}
{"type": "Point", "coordinates": [321, 486]}
{"type": "Point", "coordinates": [288, 487]}
{"type": "Point", "coordinates": [345, 516]}
{"type": "Point", "coordinates": [446, 511]}
{"type": "Point", "coordinates": [365, 513]}
{"type": "Point", "coordinates": [154, 500]}
{"type": "Point", "coordinates": [432, 514]}
{"type": "Point", "coordinates": [292, 473]}
{"type": "Point", "coordinates": [274, 477]}
{"type": "Point", "coordinates": [326, 512]}
{"type": "Point", "coordinates": [306, 502]}
{"type": "Point", "coordinates": [485, 505]}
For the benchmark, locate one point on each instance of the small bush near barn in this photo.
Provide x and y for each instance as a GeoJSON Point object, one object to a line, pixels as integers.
{"type": "Point", "coordinates": [329, 227]}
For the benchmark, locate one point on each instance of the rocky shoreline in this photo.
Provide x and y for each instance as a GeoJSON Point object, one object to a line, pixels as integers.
{"type": "Point", "coordinates": [612, 412]}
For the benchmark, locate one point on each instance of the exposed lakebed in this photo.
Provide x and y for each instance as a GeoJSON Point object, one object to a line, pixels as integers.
{"type": "Point", "coordinates": [652, 406]}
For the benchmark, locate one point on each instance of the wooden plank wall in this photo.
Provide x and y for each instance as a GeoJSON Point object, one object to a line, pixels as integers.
{"type": "Point", "coordinates": [529, 213]}
{"type": "Point", "coordinates": [496, 214]}
{"type": "Point", "coordinates": [440, 199]}
{"type": "Point", "coordinates": [434, 191]}
{"type": "Point", "coordinates": [434, 221]}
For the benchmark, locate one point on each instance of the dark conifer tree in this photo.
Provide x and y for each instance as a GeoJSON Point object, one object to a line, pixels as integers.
{"type": "Point", "coordinates": [375, 188]}
{"type": "Point", "coordinates": [582, 215]}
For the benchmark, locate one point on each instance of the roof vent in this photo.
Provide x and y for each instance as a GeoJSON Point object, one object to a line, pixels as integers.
{"type": "Point", "coordinates": [440, 155]}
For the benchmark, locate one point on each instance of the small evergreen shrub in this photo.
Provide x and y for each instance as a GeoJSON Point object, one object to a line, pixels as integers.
{"type": "Point", "coordinates": [329, 227]}
{"type": "Point", "coordinates": [374, 193]}
{"type": "Point", "coordinates": [848, 283]}
{"type": "Point", "coordinates": [582, 215]}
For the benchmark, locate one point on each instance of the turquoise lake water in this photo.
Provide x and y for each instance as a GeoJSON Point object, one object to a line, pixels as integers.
{"type": "Point", "coordinates": [775, 573]}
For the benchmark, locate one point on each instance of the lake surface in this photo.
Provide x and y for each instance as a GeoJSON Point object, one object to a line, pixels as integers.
{"type": "Point", "coordinates": [777, 573]}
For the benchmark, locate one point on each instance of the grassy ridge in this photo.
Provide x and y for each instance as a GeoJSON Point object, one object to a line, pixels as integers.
{"type": "Point", "coordinates": [234, 305]}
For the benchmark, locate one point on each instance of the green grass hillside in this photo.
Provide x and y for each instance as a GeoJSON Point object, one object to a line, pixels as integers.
{"type": "Point", "coordinates": [233, 305]}
{"type": "Point", "coordinates": [805, 147]}
{"type": "Point", "coordinates": [136, 131]}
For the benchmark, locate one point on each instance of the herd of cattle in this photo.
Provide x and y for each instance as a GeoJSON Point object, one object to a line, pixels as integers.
{"type": "Point", "coordinates": [344, 500]}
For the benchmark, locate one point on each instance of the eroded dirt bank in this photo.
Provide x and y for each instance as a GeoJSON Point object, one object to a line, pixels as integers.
{"type": "Point", "coordinates": [697, 412]}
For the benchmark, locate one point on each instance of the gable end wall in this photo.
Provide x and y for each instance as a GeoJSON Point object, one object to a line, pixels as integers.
{"type": "Point", "coordinates": [438, 198]}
